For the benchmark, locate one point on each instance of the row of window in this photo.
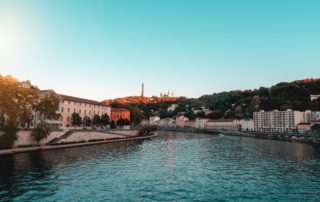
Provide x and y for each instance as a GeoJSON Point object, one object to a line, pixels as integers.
{"type": "Point", "coordinates": [74, 111]}
{"type": "Point", "coordinates": [75, 103]}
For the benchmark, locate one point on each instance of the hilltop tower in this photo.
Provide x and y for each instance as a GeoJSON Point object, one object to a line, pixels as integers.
{"type": "Point", "coordinates": [142, 90]}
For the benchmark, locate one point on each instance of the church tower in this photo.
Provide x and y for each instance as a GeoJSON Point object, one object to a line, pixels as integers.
{"type": "Point", "coordinates": [142, 90]}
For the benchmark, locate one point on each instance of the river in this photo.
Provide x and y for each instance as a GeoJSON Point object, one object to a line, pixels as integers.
{"type": "Point", "coordinates": [174, 166]}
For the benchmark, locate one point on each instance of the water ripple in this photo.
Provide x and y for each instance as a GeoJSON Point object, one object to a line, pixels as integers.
{"type": "Point", "coordinates": [175, 166]}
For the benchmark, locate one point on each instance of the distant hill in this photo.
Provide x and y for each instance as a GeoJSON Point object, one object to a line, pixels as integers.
{"type": "Point", "coordinates": [240, 104]}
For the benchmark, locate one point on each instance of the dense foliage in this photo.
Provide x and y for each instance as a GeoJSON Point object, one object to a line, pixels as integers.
{"type": "Point", "coordinates": [239, 104]}
{"type": "Point", "coordinates": [282, 96]}
{"type": "Point", "coordinates": [147, 130]}
{"type": "Point", "coordinates": [40, 132]}
{"type": "Point", "coordinates": [7, 139]}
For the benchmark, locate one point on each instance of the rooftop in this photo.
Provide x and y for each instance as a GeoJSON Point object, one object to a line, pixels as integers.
{"type": "Point", "coordinates": [120, 109]}
{"type": "Point", "coordinates": [81, 100]}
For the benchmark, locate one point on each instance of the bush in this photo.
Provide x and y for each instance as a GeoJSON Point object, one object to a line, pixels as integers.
{"type": "Point", "coordinates": [40, 132]}
{"type": "Point", "coordinates": [10, 135]}
{"type": "Point", "coordinates": [147, 130]}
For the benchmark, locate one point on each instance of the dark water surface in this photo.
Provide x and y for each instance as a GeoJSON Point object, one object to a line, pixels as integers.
{"type": "Point", "coordinates": [174, 166]}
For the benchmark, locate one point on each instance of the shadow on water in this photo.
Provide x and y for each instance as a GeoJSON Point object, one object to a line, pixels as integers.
{"type": "Point", "coordinates": [19, 172]}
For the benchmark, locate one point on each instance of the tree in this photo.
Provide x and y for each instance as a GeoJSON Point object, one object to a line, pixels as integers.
{"type": "Point", "coordinates": [96, 120]}
{"type": "Point", "coordinates": [7, 139]}
{"type": "Point", "coordinates": [40, 132]}
{"type": "Point", "coordinates": [316, 128]}
{"type": "Point", "coordinates": [2, 120]}
{"type": "Point", "coordinates": [136, 116]}
{"type": "Point", "coordinates": [147, 130]}
{"type": "Point", "coordinates": [216, 114]}
{"type": "Point", "coordinates": [14, 99]}
{"type": "Point", "coordinates": [75, 120]}
{"type": "Point", "coordinates": [48, 106]}
{"type": "Point", "coordinates": [86, 121]}
{"type": "Point", "coordinates": [105, 120]}
{"type": "Point", "coordinates": [112, 125]}
{"type": "Point", "coordinates": [126, 122]}
{"type": "Point", "coordinates": [26, 118]}
{"type": "Point", "coordinates": [121, 122]}
{"type": "Point", "coordinates": [255, 102]}
{"type": "Point", "coordinates": [190, 115]}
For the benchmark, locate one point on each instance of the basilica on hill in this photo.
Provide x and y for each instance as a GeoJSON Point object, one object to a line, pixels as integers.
{"type": "Point", "coordinates": [144, 99]}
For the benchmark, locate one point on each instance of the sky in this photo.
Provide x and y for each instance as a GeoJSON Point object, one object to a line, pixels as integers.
{"type": "Point", "coordinates": [102, 49]}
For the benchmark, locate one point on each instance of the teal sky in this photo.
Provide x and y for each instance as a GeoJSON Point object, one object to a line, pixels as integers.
{"type": "Point", "coordinates": [105, 49]}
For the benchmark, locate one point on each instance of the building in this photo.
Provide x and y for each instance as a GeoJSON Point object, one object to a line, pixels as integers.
{"type": "Point", "coordinates": [142, 90]}
{"type": "Point", "coordinates": [118, 113]}
{"type": "Point", "coordinates": [277, 121]}
{"type": "Point", "coordinates": [154, 120]}
{"type": "Point", "coordinates": [201, 123]}
{"type": "Point", "coordinates": [69, 105]}
{"type": "Point", "coordinates": [84, 107]}
{"type": "Point", "coordinates": [207, 111]}
{"type": "Point", "coordinates": [172, 107]}
{"type": "Point", "coordinates": [314, 97]}
{"type": "Point", "coordinates": [181, 120]}
{"type": "Point", "coordinates": [224, 124]}
{"type": "Point", "coordinates": [170, 94]}
{"type": "Point", "coordinates": [304, 127]}
{"type": "Point", "coordinates": [309, 116]}
{"type": "Point", "coordinates": [247, 125]}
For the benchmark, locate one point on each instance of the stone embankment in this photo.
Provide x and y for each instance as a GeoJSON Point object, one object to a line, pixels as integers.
{"type": "Point", "coordinates": [304, 138]}
{"type": "Point", "coordinates": [68, 139]}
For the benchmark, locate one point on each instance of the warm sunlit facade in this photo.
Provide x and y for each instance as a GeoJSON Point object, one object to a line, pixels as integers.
{"type": "Point", "coordinates": [118, 113]}
{"type": "Point", "coordinates": [69, 105]}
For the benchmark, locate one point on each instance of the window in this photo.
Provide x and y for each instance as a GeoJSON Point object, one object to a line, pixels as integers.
{"type": "Point", "coordinates": [68, 102]}
{"type": "Point", "coordinates": [68, 109]}
{"type": "Point", "coordinates": [85, 112]}
{"type": "Point", "coordinates": [74, 110]}
{"type": "Point", "coordinates": [68, 118]}
{"type": "Point", "coordinates": [79, 111]}
{"type": "Point", "coordinates": [89, 111]}
{"type": "Point", "coordinates": [61, 109]}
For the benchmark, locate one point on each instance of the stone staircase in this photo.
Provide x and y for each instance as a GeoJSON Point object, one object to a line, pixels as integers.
{"type": "Point", "coordinates": [64, 136]}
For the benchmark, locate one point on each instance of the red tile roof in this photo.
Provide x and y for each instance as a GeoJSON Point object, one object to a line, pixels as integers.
{"type": "Point", "coordinates": [81, 100]}
{"type": "Point", "coordinates": [119, 109]}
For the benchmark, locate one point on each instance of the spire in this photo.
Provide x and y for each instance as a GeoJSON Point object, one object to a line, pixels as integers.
{"type": "Point", "coordinates": [142, 89]}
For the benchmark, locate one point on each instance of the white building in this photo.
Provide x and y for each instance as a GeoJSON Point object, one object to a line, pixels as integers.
{"type": "Point", "coordinates": [154, 120]}
{"type": "Point", "coordinates": [314, 97]}
{"type": "Point", "coordinates": [201, 123]}
{"type": "Point", "coordinates": [247, 125]}
{"type": "Point", "coordinates": [277, 121]}
{"type": "Point", "coordinates": [172, 107]}
{"type": "Point", "coordinates": [224, 124]}
{"type": "Point", "coordinates": [309, 116]}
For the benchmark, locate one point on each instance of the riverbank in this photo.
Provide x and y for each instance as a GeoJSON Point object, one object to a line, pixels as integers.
{"type": "Point", "coordinates": [281, 137]}
{"type": "Point", "coordinates": [63, 146]}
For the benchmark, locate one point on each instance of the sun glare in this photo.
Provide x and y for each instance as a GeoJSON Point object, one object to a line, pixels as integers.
{"type": "Point", "coordinates": [5, 41]}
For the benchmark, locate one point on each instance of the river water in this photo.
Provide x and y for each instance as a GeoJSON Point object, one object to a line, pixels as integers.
{"type": "Point", "coordinates": [173, 166]}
